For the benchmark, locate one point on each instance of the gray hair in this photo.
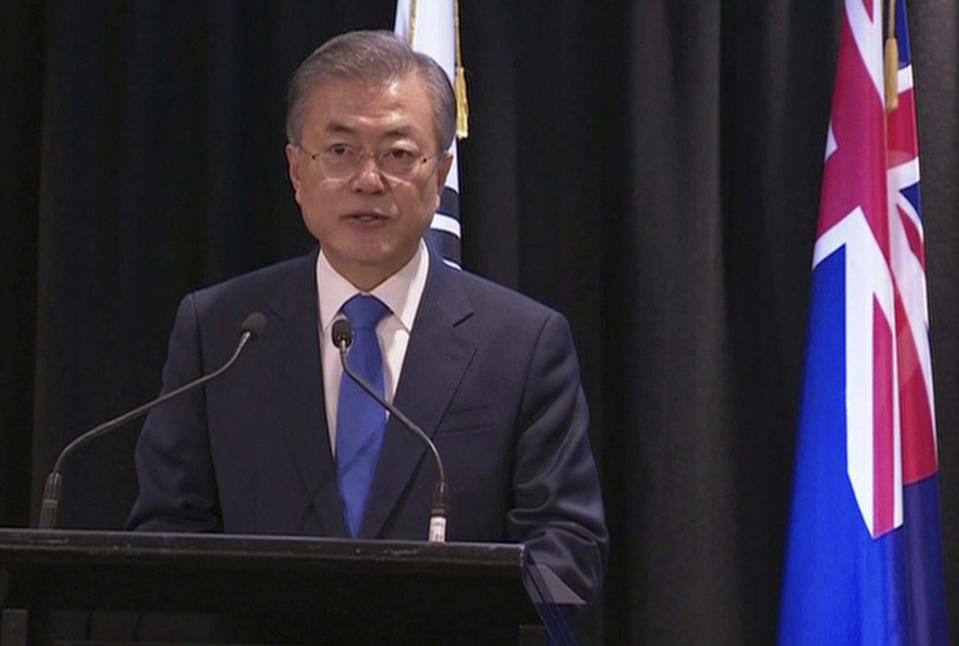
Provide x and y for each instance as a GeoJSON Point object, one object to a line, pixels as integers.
{"type": "Point", "coordinates": [370, 57]}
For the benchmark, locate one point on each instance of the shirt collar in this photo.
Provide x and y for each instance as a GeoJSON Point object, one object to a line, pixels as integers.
{"type": "Point", "coordinates": [401, 292]}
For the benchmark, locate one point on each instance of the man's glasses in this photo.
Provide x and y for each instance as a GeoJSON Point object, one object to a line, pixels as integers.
{"type": "Point", "coordinates": [341, 161]}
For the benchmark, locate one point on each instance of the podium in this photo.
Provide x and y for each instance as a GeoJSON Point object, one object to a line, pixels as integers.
{"type": "Point", "coordinates": [266, 590]}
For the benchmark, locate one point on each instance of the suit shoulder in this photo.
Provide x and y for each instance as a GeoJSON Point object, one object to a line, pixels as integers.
{"type": "Point", "coordinates": [259, 281]}
{"type": "Point", "coordinates": [230, 301]}
{"type": "Point", "coordinates": [493, 297]}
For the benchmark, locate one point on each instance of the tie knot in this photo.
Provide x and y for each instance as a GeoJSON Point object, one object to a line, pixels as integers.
{"type": "Point", "coordinates": [364, 312]}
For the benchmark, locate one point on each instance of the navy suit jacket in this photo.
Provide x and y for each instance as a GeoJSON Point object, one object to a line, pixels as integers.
{"type": "Point", "coordinates": [489, 374]}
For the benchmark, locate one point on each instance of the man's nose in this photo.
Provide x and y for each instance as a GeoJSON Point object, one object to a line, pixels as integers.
{"type": "Point", "coordinates": [368, 177]}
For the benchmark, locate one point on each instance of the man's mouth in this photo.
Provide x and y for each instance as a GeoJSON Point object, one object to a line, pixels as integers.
{"type": "Point", "coordinates": [366, 217]}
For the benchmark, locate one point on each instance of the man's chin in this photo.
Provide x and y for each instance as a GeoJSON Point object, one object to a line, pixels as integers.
{"type": "Point", "coordinates": [367, 267]}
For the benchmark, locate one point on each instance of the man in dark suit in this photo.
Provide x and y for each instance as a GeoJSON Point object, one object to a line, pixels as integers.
{"type": "Point", "coordinates": [489, 375]}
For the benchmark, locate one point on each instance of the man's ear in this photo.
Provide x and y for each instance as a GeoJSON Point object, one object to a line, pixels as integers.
{"type": "Point", "coordinates": [442, 170]}
{"type": "Point", "coordinates": [293, 166]}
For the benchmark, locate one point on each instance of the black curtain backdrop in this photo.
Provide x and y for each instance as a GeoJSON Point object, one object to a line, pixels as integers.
{"type": "Point", "coordinates": [649, 168]}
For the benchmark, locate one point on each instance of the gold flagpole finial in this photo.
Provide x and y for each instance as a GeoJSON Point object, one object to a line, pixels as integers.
{"type": "Point", "coordinates": [459, 83]}
{"type": "Point", "coordinates": [412, 28]}
{"type": "Point", "coordinates": [891, 70]}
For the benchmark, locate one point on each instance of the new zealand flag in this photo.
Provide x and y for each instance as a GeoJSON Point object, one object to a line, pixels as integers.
{"type": "Point", "coordinates": [864, 550]}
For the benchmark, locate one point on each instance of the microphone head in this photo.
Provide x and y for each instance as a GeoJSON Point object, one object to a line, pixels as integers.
{"type": "Point", "coordinates": [342, 333]}
{"type": "Point", "coordinates": [254, 325]}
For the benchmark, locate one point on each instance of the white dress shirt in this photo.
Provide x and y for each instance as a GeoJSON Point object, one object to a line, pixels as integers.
{"type": "Point", "coordinates": [401, 293]}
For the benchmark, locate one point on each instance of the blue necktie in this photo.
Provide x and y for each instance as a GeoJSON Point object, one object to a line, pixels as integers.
{"type": "Point", "coordinates": [360, 420]}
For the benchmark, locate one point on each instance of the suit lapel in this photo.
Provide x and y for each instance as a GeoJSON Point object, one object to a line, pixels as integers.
{"type": "Point", "coordinates": [436, 358]}
{"type": "Point", "coordinates": [298, 388]}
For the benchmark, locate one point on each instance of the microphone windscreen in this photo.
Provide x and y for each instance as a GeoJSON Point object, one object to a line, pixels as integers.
{"type": "Point", "coordinates": [254, 324]}
{"type": "Point", "coordinates": [342, 333]}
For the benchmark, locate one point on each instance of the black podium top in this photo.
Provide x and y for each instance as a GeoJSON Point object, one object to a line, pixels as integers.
{"type": "Point", "coordinates": [278, 588]}
{"type": "Point", "coordinates": [284, 552]}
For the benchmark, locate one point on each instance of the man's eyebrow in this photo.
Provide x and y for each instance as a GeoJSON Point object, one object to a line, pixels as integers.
{"type": "Point", "coordinates": [335, 127]}
{"type": "Point", "coordinates": [402, 131]}
{"type": "Point", "coordinates": [339, 128]}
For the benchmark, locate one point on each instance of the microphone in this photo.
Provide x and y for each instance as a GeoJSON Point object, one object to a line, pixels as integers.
{"type": "Point", "coordinates": [252, 327]}
{"type": "Point", "coordinates": [342, 334]}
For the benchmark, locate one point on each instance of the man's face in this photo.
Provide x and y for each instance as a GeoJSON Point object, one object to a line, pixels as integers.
{"type": "Point", "coordinates": [368, 221]}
